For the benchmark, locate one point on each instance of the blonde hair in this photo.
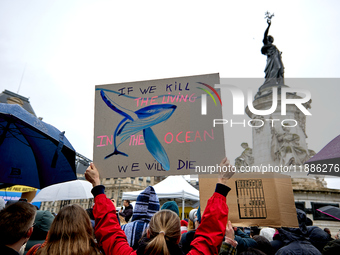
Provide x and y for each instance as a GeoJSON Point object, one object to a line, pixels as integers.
{"type": "Point", "coordinates": [71, 233]}
{"type": "Point", "coordinates": [164, 227]}
{"type": "Point", "coordinates": [191, 225]}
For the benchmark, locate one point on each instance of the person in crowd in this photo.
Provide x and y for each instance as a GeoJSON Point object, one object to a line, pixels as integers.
{"type": "Point", "coordinates": [337, 235]}
{"type": "Point", "coordinates": [295, 240]}
{"type": "Point", "coordinates": [229, 244]}
{"type": "Point", "coordinates": [254, 231]}
{"type": "Point", "coordinates": [70, 233]}
{"type": "Point", "coordinates": [194, 222]}
{"type": "Point", "coordinates": [318, 237]}
{"type": "Point", "coordinates": [128, 210]}
{"type": "Point", "coordinates": [191, 225]}
{"type": "Point", "coordinates": [277, 242]}
{"type": "Point", "coordinates": [192, 219]}
{"type": "Point", "coordinates": [163, 233]}
{"type": "Point", "coordinates": [332, 247]}
{"type": "Point", "coordinates": [172, 206]}
{"type": "Point", "coordinates": [263, 245]}
{"type": "Point", "coordinates": [16, 227]}
{"type": "Point", "coordinates": [244, 241]}
{"type": "Point", "coordinates": [327, 230]}
{"type": "Point", "coordinates": [184, 227]}
{"type": "Point", "coordinates": [42, 224]}
{"type": "Point", "coordinates": [252, 251]}
{"type": "Point", "coordinates": [147, 205]}
{"type": "Point", "coordinates": [187, 238]}
{"type": "Point", "coordinates": [89, 212]}
{"type": "Point", "coordinates": [268, 233]}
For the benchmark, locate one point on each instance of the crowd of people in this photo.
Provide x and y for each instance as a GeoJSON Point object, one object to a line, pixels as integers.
{"type": "Point", "coordinates": [148, 228]}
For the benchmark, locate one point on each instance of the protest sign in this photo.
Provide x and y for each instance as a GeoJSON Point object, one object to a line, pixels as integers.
{"type": "Point", "coordinates": [157, 127]}
{"type": "Point", "coordinates": [256, 199]}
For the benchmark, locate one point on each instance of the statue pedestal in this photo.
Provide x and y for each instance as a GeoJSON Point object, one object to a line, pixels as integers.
{"type": "Point", "coordinates": [281, 140]}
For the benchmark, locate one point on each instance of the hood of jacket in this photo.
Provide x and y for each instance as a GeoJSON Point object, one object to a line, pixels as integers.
{"type": "Point", "coordinates": [146, 206]}
{"type": "Point", "coordinates": [289, 235]}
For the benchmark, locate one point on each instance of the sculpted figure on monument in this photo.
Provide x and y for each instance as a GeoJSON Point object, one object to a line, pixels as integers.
{"type": "Point", "coordinates": [286, 148]}
{"type": "Point", "coordinates": [246, 158]}
{"type": "Point", "coordinates": [256, 123]}
{"type": "Point", "coordinates": [274, 68]}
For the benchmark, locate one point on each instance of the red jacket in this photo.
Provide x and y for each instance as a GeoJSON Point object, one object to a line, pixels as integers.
{"type": "Point", "coordinates": [208, 237]}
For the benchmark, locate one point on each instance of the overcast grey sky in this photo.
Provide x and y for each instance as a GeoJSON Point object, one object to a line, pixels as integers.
{"type": "Point", "coordinates": [70, 46]}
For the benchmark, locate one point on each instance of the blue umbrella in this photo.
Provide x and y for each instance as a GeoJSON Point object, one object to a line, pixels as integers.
{"type": "Point", "coordinates": [32, 152]}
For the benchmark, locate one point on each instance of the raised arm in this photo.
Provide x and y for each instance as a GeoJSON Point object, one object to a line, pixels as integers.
{"type": "Point", "coordinates": [111, 238]}
{"type": "Point", "coordinates": [210, 233]}
{"type": "Point", "coordinates": [265, 41]}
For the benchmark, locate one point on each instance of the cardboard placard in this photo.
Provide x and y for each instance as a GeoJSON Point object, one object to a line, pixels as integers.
{"type": "Point", "coordinates": [29, 195]}
{"type": "Point", "coordinates": [156, 127]}
{"type": "Point", "coordinates": [256, 199]}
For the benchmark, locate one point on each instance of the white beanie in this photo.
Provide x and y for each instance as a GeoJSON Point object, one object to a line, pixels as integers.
{"type": "Point", "coordinates": [268, 233]}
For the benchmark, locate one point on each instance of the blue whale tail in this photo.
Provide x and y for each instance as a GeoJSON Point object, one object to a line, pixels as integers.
{"type": "Point", "coordinates": [116, 152]}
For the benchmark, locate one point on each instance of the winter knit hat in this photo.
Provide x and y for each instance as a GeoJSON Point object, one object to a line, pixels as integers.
{"type": "Point", "coordinates": [193, 215]}
{"type": "Point", "coordinates": [147, 205]}
{"type": "Point", "coordinates": [171, 205]}
{"type": "Point", "coordinates": [268, 233]}
{"type": "Point", "coordinates": [184, 226]}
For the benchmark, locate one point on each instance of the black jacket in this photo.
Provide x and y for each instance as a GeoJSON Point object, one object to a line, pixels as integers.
{"type": "Point", "coordinates": [296, 240]}
{"type": "Point", "coordinates": [318, 237]}
{"type": "Point", "coordinates": [127, 213]}
{"type": "Point", "coordinates": [5, 250]}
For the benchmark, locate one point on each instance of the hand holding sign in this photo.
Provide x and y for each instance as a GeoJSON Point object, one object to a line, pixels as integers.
{"type": "Point", "coordinates": [92, 175]}
{"type": "Point", "coordinates": [226, 171]}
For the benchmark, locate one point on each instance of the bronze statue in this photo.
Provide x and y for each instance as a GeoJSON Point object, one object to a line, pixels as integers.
{"type": "Point", "coordinates": [274, 68]}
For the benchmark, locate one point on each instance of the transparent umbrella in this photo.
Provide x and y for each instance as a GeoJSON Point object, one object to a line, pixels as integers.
{"type": "Point", "coordinates": [77, 189]}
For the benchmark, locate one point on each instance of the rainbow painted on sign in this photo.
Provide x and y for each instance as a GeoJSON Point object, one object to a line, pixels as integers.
{"type": "Point", "coordinates": [204, 97]}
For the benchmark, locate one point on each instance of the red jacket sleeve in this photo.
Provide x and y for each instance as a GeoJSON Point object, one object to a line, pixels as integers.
{"type": "Point", "coordinates": [110, 236]}
{"type": "Point", "coordinates": [210, 233]}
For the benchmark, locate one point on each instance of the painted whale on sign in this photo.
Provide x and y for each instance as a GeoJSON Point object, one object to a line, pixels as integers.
{"type": "Point", "coordinates": [142, 119]}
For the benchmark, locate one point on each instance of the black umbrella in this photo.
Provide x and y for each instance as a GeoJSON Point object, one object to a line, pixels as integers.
{"type": "Point", "coordinates": [32, 152]}
{"type": "Point", "coordinates": [331, 211]}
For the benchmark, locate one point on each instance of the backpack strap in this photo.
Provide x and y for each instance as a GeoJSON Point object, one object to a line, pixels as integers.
{"type": "Point", "coordinates": [34, 249]}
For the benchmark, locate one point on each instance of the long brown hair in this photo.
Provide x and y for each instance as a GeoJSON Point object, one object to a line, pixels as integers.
{"type": "Point", "coordinates": [71, 233]}
{"type": "Point", "coordinates": [164, 227]}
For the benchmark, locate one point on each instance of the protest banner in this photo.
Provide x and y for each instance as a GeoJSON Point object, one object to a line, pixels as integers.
{"type": "Point", "coordinates": [19, 188]}
{"type": "Point", "coordinates": [157, 127]}
{"type": "Point", "coordinates": [16, 192]}
{"type": "Point", "coordinates": [256, 199]}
